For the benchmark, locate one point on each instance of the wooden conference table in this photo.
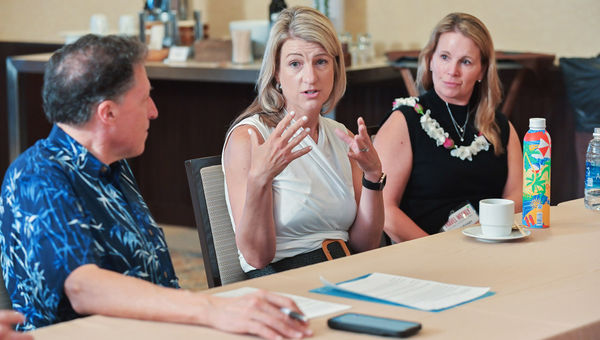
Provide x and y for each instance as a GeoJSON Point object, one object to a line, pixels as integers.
{"type": "Point", "coordinates": [546, 286]}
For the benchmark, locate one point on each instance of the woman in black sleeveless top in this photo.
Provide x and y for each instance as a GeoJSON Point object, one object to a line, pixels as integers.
{"type": "Point", "coordinates": [450, 145]}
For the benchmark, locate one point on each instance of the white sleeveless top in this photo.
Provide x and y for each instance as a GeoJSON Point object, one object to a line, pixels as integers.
{"type": "Point", "coordinates": [313, 197]}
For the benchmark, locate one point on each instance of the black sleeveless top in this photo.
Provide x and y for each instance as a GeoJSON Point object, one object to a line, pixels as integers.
{"type": "Point", "coordinates": [439, 182]}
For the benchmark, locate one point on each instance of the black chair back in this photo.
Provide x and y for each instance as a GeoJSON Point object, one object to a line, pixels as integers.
{"type": "Point", "coordinates": [215, 231]}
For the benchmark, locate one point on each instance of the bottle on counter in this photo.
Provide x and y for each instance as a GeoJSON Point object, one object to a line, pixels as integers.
{"type": "Point", "coordinates": [592, 173]}
{"type": "Point", "coordinates": [275, 8]}
{"type": "Point", "coordinates": [536, 175]}
{"type": "Point", "coordinates": [198, 26]}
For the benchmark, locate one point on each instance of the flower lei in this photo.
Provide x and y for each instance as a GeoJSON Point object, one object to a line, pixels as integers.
{"type": "Point", "coordinates": [441, 137]}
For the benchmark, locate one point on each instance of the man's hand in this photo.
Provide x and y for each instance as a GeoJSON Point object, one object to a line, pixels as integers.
{"type": "Point", "coordinates": [258, 313]}
{"type": "Point", "coordinates": [7, 319]}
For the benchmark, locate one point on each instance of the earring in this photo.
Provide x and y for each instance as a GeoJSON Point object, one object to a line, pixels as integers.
{"type": "Point", "coordinates": [278, 87]}
{"type": "Point", "coordinates": [479, 80]}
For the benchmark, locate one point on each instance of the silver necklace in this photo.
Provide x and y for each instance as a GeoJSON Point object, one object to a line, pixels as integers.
{"type": "Point", "coordinates": [457, 127]}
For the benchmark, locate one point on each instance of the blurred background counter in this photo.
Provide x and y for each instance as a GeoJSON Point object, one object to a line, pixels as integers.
{"type": "Point", "coordinates": [196, 101]}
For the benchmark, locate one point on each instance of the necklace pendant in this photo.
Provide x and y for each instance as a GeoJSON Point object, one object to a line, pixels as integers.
{"type": "Point", "coordinates": [462, 139]}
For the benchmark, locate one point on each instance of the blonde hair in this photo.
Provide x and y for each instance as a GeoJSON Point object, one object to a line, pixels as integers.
{"type": "Point", "coordinates": [490, 88]}
{"type": "Point", "coordinates": [309, 25]}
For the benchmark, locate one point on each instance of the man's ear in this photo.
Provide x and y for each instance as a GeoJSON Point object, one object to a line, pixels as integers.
{"type": "Point", "coordinates": [106, 111]}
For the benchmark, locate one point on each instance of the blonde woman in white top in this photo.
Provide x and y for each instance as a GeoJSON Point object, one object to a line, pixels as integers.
{"type": "Point", "coordinates": [293, 177]}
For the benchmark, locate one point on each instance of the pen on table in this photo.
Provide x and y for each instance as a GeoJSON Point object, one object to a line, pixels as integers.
{"type": "Point", "coordinates": [294, 315]}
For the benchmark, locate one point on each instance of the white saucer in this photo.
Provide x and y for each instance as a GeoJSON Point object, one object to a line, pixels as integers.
{"type": "Point", "coordinates": [476, 233]}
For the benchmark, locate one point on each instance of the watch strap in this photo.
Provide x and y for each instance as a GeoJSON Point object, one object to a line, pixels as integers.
{"type": "Point", "coordinates": [377, 186]}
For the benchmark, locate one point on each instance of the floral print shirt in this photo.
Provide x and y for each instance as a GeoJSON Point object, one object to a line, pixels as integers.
{"type": "Point", "coordinates": [61, 208]}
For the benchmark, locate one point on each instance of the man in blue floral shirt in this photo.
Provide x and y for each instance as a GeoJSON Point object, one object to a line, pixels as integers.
{"type": "Point", "coordinates": [76, 236]}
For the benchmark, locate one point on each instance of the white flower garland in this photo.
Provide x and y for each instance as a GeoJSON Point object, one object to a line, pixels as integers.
{"type": "Point", "coordinates": [441, 137]}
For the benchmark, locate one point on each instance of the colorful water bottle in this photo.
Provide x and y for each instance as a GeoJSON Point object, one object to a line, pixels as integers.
{"type": "Point", "coordinates": [536, 175]}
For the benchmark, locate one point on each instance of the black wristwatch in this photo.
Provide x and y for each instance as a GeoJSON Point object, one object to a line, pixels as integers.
{"type": "Point", "coordinates": [378, 186]}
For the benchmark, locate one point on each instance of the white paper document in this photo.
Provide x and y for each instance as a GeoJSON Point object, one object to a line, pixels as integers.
{"type": "Point", "coordinates": [311, 308]}
{"type": "Point", "coordinates": [416, 293]}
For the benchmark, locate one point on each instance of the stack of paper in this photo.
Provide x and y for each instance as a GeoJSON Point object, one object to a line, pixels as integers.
{"type": "Point", "coordinates": [310, 308]}
{"type": "Point", "coordinates": [404, 291]}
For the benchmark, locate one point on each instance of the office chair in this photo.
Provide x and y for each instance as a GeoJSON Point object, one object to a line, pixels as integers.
{"type": "Point", "coordinates": [217, 240]}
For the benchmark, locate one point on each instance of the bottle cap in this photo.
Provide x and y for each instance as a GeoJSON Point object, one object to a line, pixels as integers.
{"type": "Point", "coordinates": [537, 123]}
{"type": "Point", "coordinates": [597, 132]}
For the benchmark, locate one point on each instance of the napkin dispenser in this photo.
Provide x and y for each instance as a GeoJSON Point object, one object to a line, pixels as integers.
{"type": "Point", "coordinates": [212, 50]}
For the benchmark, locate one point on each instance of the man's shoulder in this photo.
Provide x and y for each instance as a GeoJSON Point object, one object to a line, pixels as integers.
{"type": "Point", "coordinates": [35, 164]}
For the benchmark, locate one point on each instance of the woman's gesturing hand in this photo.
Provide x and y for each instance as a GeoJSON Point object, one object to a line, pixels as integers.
{"type": "Point", "coordinates": [362, 150]}
{"type": "Point", "coordinates": [272, 156]}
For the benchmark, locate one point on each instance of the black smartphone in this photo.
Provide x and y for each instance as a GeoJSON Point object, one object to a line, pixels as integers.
{"type": "Point", "coordinates": [369, 324]}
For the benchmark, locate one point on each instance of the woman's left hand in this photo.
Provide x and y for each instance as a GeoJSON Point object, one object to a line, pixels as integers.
{"type": "Point", "coordinates": [362, 151]}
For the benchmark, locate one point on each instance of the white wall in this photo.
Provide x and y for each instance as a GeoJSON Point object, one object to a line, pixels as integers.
{"type": "Point", "coordinates": [564, 28]}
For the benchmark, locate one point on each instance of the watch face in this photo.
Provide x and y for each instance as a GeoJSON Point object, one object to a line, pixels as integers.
{"type": "Point", "coordinates": [382, 181]}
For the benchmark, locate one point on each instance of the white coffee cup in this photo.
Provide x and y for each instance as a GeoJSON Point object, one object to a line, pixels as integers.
{"type": "Point", "coordinates": [241, 46]}
{"type": "Point", "coordinates": [496, 216]}
{"type": "Point", "coordinates": [157, 35]}
{"type": "Point", "coordinates": [127, 25]}
{"type": "Point", "coordinates": [99, 24]}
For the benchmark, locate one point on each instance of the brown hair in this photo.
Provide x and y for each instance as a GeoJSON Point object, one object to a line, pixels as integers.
{"type": "Point", "coordinates": [490, 88]}
{"type": "Point", "coordinates": [303, 23]}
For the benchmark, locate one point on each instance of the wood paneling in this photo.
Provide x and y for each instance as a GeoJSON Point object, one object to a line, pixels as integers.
{"type": "Point", "coordinates": [193, 118]}
{"type": "Point", "coordinates": [33, 88]}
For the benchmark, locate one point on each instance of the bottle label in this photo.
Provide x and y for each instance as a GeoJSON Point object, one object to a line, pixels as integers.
{"type": "Point", "coordinates": [536, 179]}
{"type": "Point", "coordinates": [592, 176]}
